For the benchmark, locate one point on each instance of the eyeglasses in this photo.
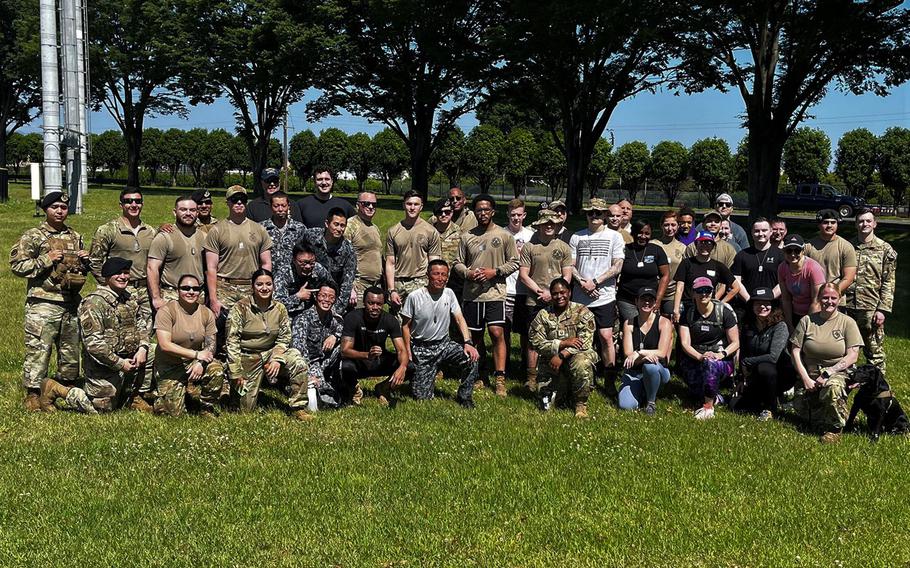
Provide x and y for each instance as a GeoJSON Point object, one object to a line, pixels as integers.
{"type": "Point", "coordinates": [483, 210]}
{"type": "Point", "coordinates": [307, 263]}
{"type": "Point", "coordinates": [791, 250]}
{"type": "Point", "coordinates": [368, 204]}
{"type": "Point", "coordinates": [131, 200]}
{"type": "Point", "coordinates": [456, 197]}
{"type": "Point", "coordinates": [190, 288]}
{"type": "Point", "coordinates": [704, 291]}
{"type": "Point", "coordinates": [595, 213]}
{"type": "Point", "coordinates": [206, 202]}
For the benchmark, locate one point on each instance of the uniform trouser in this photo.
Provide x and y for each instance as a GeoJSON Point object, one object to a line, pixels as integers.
{"type": "Point", "coordinates": [704, 377]}
{"type": "Point", "coordinates": [109, 389]}
{"type": "Point", "coordinates": [49, 324]}
{"type": "Point", "coordinates": [575, 377]}
{"type": "Point", "coordinates": [430, 356]}
{"type": "Point", "coordinates": [174, 386]}
{"type": "Point", "coordinates": [404, 288]}
{"type": "Point", "coordinates": [873, 337]}
{"type": "Point", "coordinates": [144, 320]}
{"type": "Point", "coordinates": [640, 386]}
{"type": "Point", "coordinates": [764, 383]}
{"type": "Point", "coordinates": [825, 408]}
{"type": "Point", "coordinates": [293, 375]}
{"type": "Point", "coordinates": [361, 284]}
{"type": "Point", "coordinates": [228, 294]}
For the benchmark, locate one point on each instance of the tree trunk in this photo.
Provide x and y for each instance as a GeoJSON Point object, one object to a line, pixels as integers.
{"type": "Point", "coordinates": [133, 138]}
{"type": "Point", "coordinates": [420, 163]}
{"type": "Point", "coordinates": [765, 150]}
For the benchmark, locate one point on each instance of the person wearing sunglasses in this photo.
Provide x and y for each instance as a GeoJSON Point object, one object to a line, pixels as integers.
{"type": "Point", "coordinates": [175, 253]}
{"type": "Point", "coordinates": [800, 279]}
{"type": "Point", "coordinates": [702, 265]}
{"type": "Point", "coordinates": [449, 238]}
{"type": "Point", "coordinates": [835, 253]}
{"type": "Point", "coordinates": [461, 215]}
{"type": "Point", "coordinates": [723, 205]}
{"type": "Point", "coordinates": [129, 237]}
{"type": "Point", "coordinates": [259, 209]}
{"type": "Point", "coordinates": [204, 219]}
{"type": "Point", "coordinates": [185, 361]}
{"type": "Point", "coordinates": [364, 236]}
{"type": "Point", "coordinates": [708, 337]}
{"type": "Point", "coordinates": [314, 208]}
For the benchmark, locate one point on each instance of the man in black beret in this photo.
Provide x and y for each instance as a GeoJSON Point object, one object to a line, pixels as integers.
{"type": "Point", "coordinates": [204, 218]}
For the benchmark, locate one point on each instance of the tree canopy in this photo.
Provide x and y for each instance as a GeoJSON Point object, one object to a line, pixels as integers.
{"type": "Point", "coordinates": [854, 161]}
{"type": "Point", "coordinates": [20, 89]}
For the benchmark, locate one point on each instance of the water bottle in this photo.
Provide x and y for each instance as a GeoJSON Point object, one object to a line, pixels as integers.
{"type": "Point", "coordinates": [312, 397]}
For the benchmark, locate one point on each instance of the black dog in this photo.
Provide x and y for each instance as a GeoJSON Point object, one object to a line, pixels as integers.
{"type": "Point", "coordinates": [883, 412]}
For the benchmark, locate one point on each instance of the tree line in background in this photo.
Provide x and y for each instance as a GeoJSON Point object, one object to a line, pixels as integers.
{"type": "Point", "coordinates": [865, 165]}
{"type": "Point", "coordinates": [418, 66]}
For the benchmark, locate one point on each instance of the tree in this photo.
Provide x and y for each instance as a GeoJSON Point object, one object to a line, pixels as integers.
{"type": "Point", "coordinates": [108, 151]}
{"type": "Point", "coordinates": [632, 162]}
{"type": "Point", "coordinates": [389, 156]}
{"type": "Point", "coordinates": [194, 142]}
{"type": "Point", "coordinates": [574, 61]}
{"type": "Point", "coordinates": [20, 88]}
{"type": "Point", "coordinates": [669, 167]}
{"type": "Point", "coordinates": [359, 157]}
{"type": "Point", "coordinates": [518, 158]}
{"type": "Point", "coordinates": [411, 65]}
{"type": "Point", "coordinates": [448, 157]}
{"type": "Point", "coordinates": [240, 157]}
{"type": "Point", "coordinates": [302, 154]}
{"type": "Point", "coordinates": [711, 166]}
{"type": "Point", "coordinates": [601, 166]}
{"type": "Point", "coordinates": [807, 154]}
{"type": "Point", "coordinates": [24, 148]}
{"type": "Point", "coordinates": [741, 163]}
{"type": "Point", "coordinates": [782, 55]}
{"type": "Point", "coordinates": [152, 153]}
{"type": "Point", "coordinates": [332, 150]}
{"type": "Point", "coordinates": [894, 162]}
{"type": "Point", "coordinates": [217, 156]}
{"type": "Point", "coordinates": [854, 161]}
{"type": "Point", "coordinates": [133, 49]}
{"type": "Point", "coordinates": [483, 154]}
{"type": "Point", "coordinates": [261, 55]}
{"type": "Point", "coordinates": [551, 162]}
{"type": "Point", "coordinates": [174, 152]}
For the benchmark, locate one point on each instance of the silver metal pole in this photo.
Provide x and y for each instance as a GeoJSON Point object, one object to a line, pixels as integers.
{"type": "Point", "coordinates": [82, 73]}
{"type": "Point", "coordinates": [71, 133]}
{"type": "Point", "coordinates": [50, 97]}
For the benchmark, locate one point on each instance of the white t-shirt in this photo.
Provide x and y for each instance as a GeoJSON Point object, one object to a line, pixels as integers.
{"type": "Point", "coordinates": [512, 284]}
{"type": "Point", "coordinates": [430, 316]}
{"type": "Point", "coordinates": [594, 255]}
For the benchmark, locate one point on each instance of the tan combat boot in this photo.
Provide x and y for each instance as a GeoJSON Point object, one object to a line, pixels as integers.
{"type": "Point", "coordinates": [500, 386]}
{"type": "Point", "coordinates": [357, 399]}
{"type": "Point", "coordinates": [302, 415]}
{"type": "Point", "coordinates": [531, 382]}
{"type": "Point", "coordinates": [581, 409]}
{"type": "Point", "coordinates": [31, 401]}
{"type": "Point", "coordinates": [138, 403]}
{"type": "Point", "coordinates": [51, 390]}
{"type": "Point", "coordinates": [383, 393]}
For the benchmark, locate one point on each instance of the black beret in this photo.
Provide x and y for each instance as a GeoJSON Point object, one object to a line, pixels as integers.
{"type": "Point", "coordinates": [115, 265]}
{"type": "Point", "coordinates": [826, 214]}
{"type": "Point", "coordinates": [54, 197]}
{"type": "Point", "coordinates": [201, 195]}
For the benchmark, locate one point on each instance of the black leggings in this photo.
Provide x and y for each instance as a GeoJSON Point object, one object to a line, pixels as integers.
{"type": "Point", "coordinates": [766, 382]}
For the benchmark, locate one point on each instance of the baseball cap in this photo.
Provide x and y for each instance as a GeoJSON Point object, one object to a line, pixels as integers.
{"type": "Point", "coordinates": [794, 241]}
{"type": "Point", "coordinates": [724, 198]}
{"type": "Point", "coordinates": [596, 204]}
{"type": "Point", "coordinates": [269, 174]}
{"type": "Point", "coordinates": [704, 236]}
{"type": "Point", "coordinates": [647, 291]}
{"type": "Point", "coordinates": [557, 203]}
{"type": "Point", "coordinates": [234, 190]}
{"type": "Point", "coordinates": [712, 213]}
{"type": "Point", "coordinates": [545, 216]}
{"type": "Point", "coordinates": [764, 294]}
{"type": "Point", "coordinates": [702, 282]}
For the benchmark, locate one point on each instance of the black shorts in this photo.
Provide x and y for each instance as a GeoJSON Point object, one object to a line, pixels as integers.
{"type": "Point", "coordinates": [605, 315]}
{"type": "Point", "coordinates": [484, 314]}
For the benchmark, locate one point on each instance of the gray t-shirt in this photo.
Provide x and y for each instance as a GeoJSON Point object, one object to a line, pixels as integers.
{"type": "Point", "coordinates": [430, 316]}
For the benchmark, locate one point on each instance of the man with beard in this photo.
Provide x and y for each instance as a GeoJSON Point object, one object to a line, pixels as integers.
{"type": "Point", "coordinates": [204, 218]}
{"type": "Point", "coordinates": [461, 215]}
{"type": "Point", "coordinates": [176, 253]}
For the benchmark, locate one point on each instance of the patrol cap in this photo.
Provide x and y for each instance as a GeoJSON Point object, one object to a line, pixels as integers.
{"type": "Point", "coordinates": [596, 204]}
{"type": "Point", "coordinates": [702, 282]}
{"type": "Point", "coordinates": [712, 213]}
{"type": "Point", "coordinates": [647, 291]}
{"type": "Point", "coordinates": [794, 241]}
{"type": "Point", "coordinates": [234, 190]}
{"type": "Point", "coordinates": [724, 198]}
{"type": "Point", "coordinates": [826, 214]}
{"type": "Point", "coordinates": [115, 265]}
{"type": "Point", "coordinates": [763, 294]}
{"type": "Point", "coordinates": [546, 216]}
{"type": "Point", "coordinates": [704, 236]}
{"type": "Point", "coordinates": [557, 203]}
{"type": "Point", "coordinates": [269, 174]}
{"type": "Point", "coordinates": [201, 195]}
{"type": "Point", "coordinates": [54, 197]}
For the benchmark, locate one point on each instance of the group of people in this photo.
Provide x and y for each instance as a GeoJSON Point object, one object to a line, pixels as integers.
{"type": "Point", "coordinates": [203, 312]}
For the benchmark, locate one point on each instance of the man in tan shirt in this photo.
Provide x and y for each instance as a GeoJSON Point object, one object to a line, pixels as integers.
{"type": "Point", "coordinates": [835, 253]}
{"type": "Point", "coordinates": [461, 215]}
{"type": "Point", "coordinates": [176, 253]}
{"type": "Point", "coordinates": [410, 245]}
{"type": "Point", "coordinates": [723, 252]}
{"type": "Point", "coordinates": [204, 219]}
{"type": "Point", "coordinates": [486, 256]}
{"type": "Point", "coordinates": [364, 237]}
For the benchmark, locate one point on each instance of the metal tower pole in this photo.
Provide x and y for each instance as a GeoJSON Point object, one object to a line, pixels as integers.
{"type": "Point", "coordinates": [71, 103]}
{"type": "Point", "coordinates": [82, 73]}
{"type": "Point", "coordinates": [50, 97]}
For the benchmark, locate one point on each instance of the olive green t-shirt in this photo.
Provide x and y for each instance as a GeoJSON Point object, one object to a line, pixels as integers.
{"type": "Point", "coordinates": [194, 331]}
{"type": "Point", "coordinates": [482, 248]}
{"type": "Point", "coordinates": [238, 247]}
{"type": "Point", "coordinates": [675, 251]}
{"type": "Point", "coordinates": [545, 262]}
{"type": "Point", "coordinates": [412, 248]}
{"type": "Point", "coordinates": [824, 343]}
{"type": "Point", "coordinates": [834, 256]}
{"type": "Point", "coordinates": [179, 255]}
{"type": "Point", "coordinates": [367, 246]}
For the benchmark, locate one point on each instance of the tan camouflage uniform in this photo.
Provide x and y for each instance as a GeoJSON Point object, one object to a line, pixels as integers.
{"type": "Point", "coordinates": [872, 291]}
{"type": "Point", "coordinates": [206, 227]}
{"type": "Point", "coordinates": [546, 331]}
{"type": "Point", "coordinates": [448, 241]}
{"type": "Point", "coordinates": [111, 334]}
{"type": "Point", "coordinates": [256, 337]}
{"type": "Point", "coordinates": [52, 296]}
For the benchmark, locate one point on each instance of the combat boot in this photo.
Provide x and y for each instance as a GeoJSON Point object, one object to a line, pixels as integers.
{"type": "Point", "coordinates": [501, 386]}
{"type": "Point", "coordinates": [31, 400]}
{"type": "Point", "coordinates": [531, 382]}
{"type": "Point", "coordinates": [51, 390]}
{"type": "Point", "coordinates": [138, 403]}
{"type": "Point", "coordinates": [302, 415]}
{"type": "Point", "coordinates": [384, 393]}
{"type": "Point", "coordinates": [581, 409]}
{"type": "Point", "coordinates": [357, 399]}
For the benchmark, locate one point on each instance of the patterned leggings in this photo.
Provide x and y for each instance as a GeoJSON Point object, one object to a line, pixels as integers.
{"type": "Point", "coordinates": [704, 377]}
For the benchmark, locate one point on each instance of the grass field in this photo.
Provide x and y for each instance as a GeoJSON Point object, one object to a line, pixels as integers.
{"type": "Point", "coordinates": [431, 484]}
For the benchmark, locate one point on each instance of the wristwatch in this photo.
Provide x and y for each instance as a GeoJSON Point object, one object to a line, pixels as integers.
{"type": "Point", "coordinates": [468, 342]}
{"type": "Point", "coordinates": [561, 355]}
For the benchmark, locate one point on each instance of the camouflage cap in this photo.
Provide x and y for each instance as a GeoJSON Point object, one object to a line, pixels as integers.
{"type": "Point", "coordinates": [597, 204]}
{"type": "Point", "coordinates": [234, 190]}
{"type": "Point", "coordinates": [557, 203]}
{"type": "Point", "coordinates": [546, 216]}
{"type": "Point", "coordinates": [54, 197]}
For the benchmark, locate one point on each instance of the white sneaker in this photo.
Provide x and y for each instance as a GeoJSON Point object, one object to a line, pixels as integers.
{"type": "Point", "coordinates": [704, 413]}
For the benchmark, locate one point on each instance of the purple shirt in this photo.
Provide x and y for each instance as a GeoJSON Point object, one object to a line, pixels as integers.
{"type": "Point", "coordinates": [801, 286]}
{"type": "Point", "coordinates": [687, 239]}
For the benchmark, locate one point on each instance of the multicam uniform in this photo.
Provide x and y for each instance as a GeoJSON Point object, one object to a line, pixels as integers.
{"type": "Point", "coordinates": [339, 259]}
{"type": "Point", "coordinates": [179, 255]}
{"type": "Point", "coordinates": [206, 227]}
{"type": "Point", "coordinates": [412, 248]}
{"type": "Point", "coordinates": [309, 334]}
{"type": "Point", "coordinates": [872, 291]}
{"type": "Point", "coordinates": [254, 338]}
{"type": "Point", "coordinates": [367, 244]}
{"type": "Point", "coordinates": [448, 242]}
{"type": "Point", "coordinates": [238, 247]}
{"type": "Point", "coordinates": [546, 331]}
{"type": "Point", "coordinates": [112, 333]}
{"type": "Point", "coordinates": [52, 296]}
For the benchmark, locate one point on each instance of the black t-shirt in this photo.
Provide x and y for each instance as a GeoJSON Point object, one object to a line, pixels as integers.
{"type": "Point", "coordinates": [757, 269]}
{"type": "Point", "coordinates": [312, 210]}
{"type": "Point", "coordinates": [260, 209]}
{"type": "Point", "coordinates": [640, 269]}
{"type": "Point", "coordinates": [690, 269]}
{"type": "Point", "coordinates": [704, 331]}
{"type": "Point", "coordinates": [366, 335]}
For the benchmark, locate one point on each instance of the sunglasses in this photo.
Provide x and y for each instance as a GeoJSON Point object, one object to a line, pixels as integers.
{"type": "Point", "coordinates": [723, 204]}
{"type": "Point", "coordinates": [792, 250]}
{"type": "Point", "coordinates": [131, 200]}
{"type": "Point", "coordinates": [190, 288]}
{"type": "Point", "coordinates": [595, 213]}
{"type": "Point", "coordinates": [457, 198]}
{"type": "Point", "coordinates": [704, 291]}
{"type": "Point", "coordinates": [445, 212]}
{"type": "Point", "coordinates": [237, 199]}
{"type": "Point", "coordinates": [206, 202]}
{"type": "Point", "coordinates": [368, 204]}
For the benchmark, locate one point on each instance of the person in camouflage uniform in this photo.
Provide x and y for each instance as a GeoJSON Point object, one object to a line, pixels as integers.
{"type": "Point", "coordinates": [871, 295]}
{"type": "Point", "coordinates": [563, 336]}
{"type": "Point", "coordinates": [449, 237]}
{"type": "Point", "coordinates": [115, 343]}
{"type": "Point", "coordinates": [258, 346]}
{"type": "Point", "coordinates": [335, 253]}
{"type": "Point", "coordinates": [284, 230]}
{"type": "Point", "coordinates": [129, 237]}
{"type": "Point", "coordinates": [54, 261]}
{"type": "Point", "coordinates": [317, 335]}
{"type": "Point", "coordinates": [296, 286]}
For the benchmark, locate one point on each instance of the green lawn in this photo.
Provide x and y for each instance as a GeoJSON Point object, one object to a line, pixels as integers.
{"type": "Point", "coordinates": [430, 484]}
